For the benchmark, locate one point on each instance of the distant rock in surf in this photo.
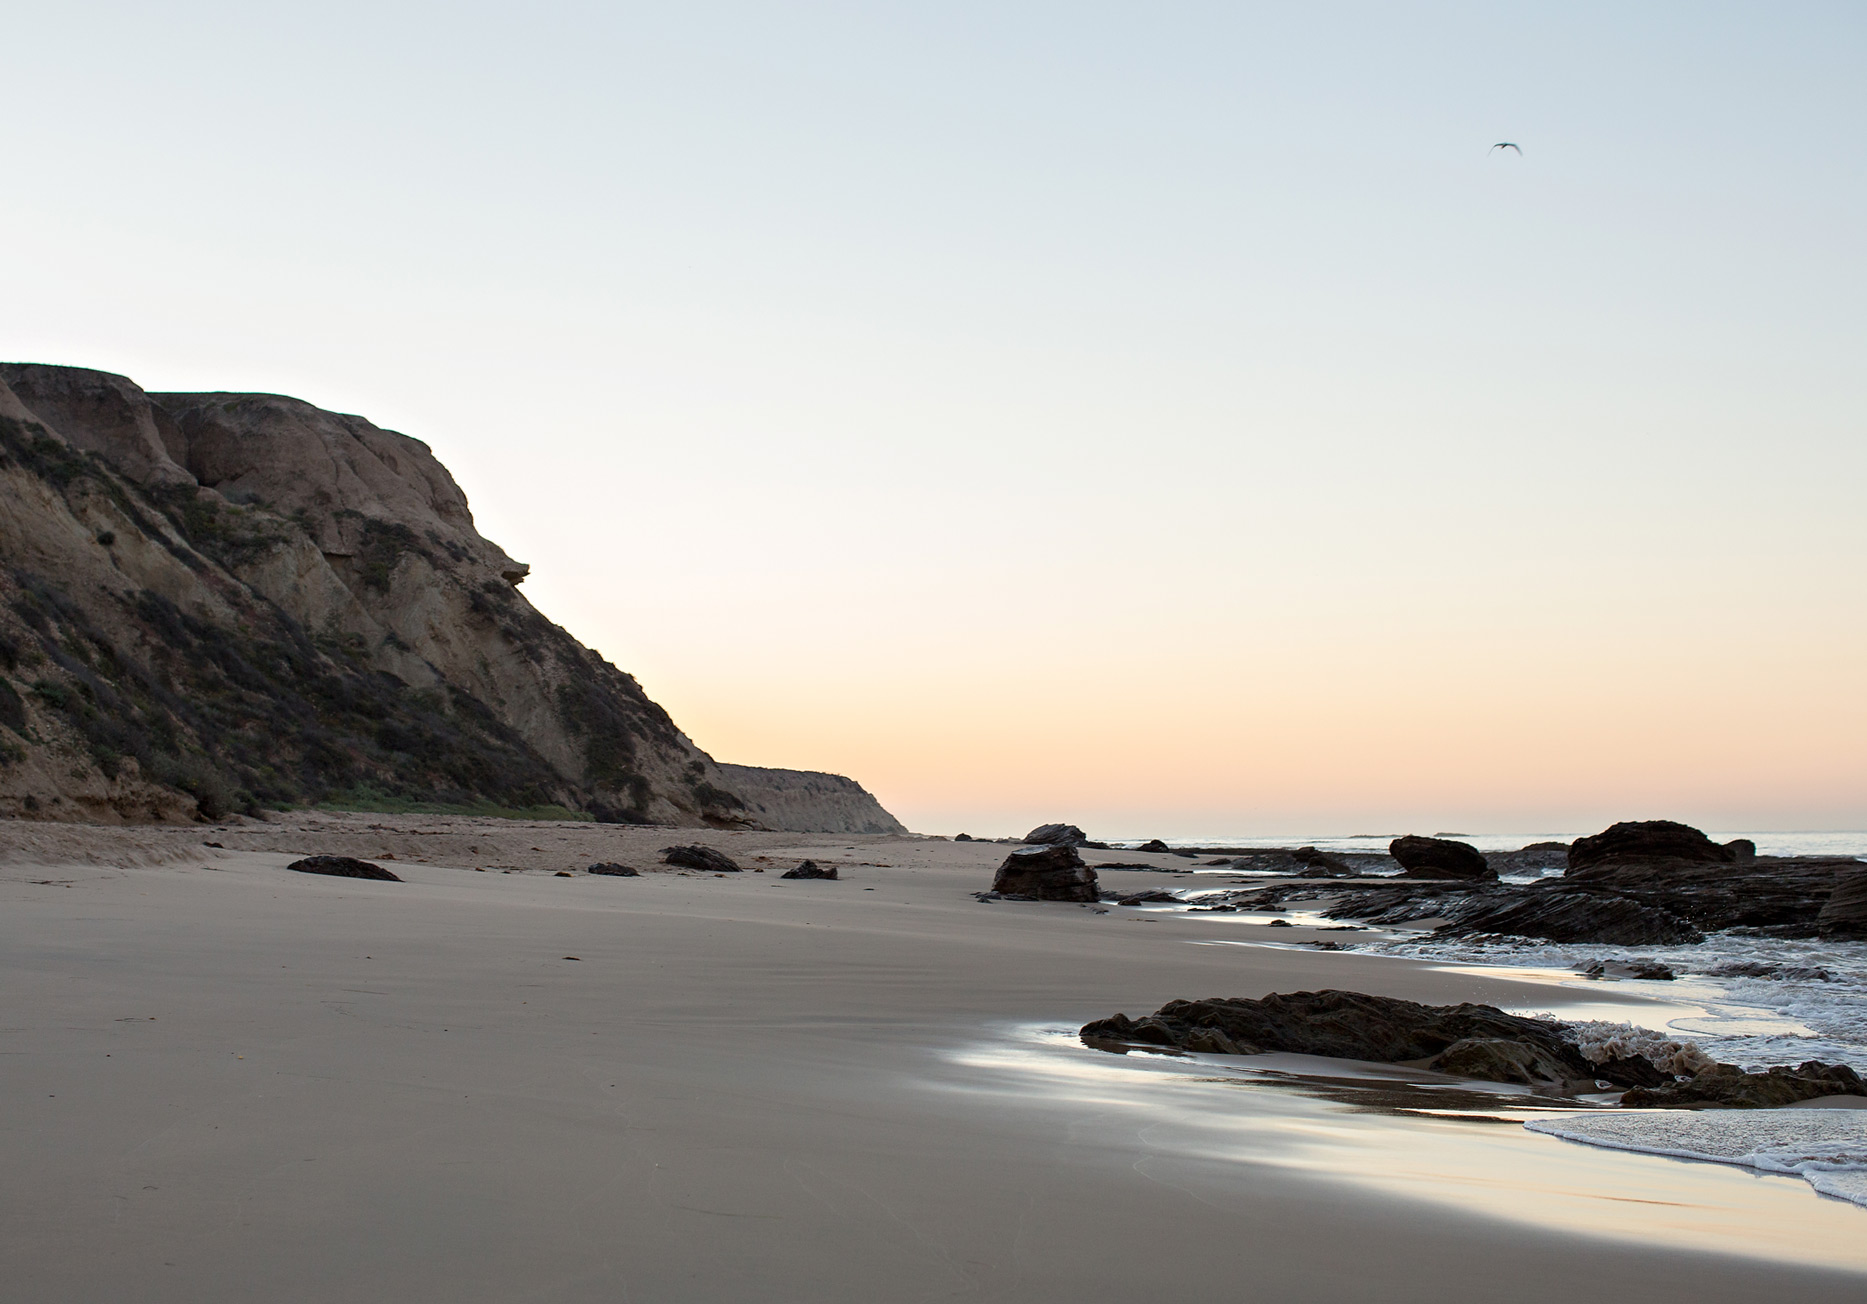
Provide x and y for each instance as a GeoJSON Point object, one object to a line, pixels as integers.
{"type": "Point", "coordinates": [1844, 914]}
{"type": "Point", "coordinates": [1647, 841]}
{"type": "Point", "coordinates": [1439, 858]}
{"type": "Point", "coordinates": [1725, 1086]}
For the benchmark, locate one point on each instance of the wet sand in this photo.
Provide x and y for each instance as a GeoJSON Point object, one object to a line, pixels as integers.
{"type": "Point", "coordinates": [230, 1082]}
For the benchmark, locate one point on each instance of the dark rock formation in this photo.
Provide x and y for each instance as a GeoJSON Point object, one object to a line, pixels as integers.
{"type": "Point", "coordinates": [1650, 970]}
{"type": "Point", "coordinates": [810, 869]}
{"type": "Point", "coordinates": [1057, 835]}
{"type": "Point", "coordinates": [613, 870]}
{"type": "Point", "coordinates": [1153, 896]}
{"type": "Point", "coordinates": [1725, 1086]}
{"type": "Point", "coordinates": [964, 837]}
{"type": "Point", "coordinates": [1784, 894]}
{"type": "Point", "coordinates": [343, 867]}
{"type": "Point", "coordinates": [1351, 1025]}
{"type": "Point", "coordinates": [1742, 850]}
{"type": "Point", "coordinates": [701, 858]}
{"type": "Point", "coordinates": [1493, 1059]}
{"type": "Point", "coordinates": [1538, 856]}
{"type": "Point", "coordinates": [1645, 841]}
{"type": "Point", "coordinates": [1320, 864]}
{"type": "Point", "coordinates": [1155, 845]}
{"type": "Point", "coordinates": [1046, 873]}
{"type": "Point", "coordinates": [1844, 914]}
{"type": "Point", "coordinates": [1569, 916]}
{"type": "Point", "coordinates": [1439, 858]}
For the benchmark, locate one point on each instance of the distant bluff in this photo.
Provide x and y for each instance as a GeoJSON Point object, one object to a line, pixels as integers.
{"type": "Point", "coordinates": [218, 602]}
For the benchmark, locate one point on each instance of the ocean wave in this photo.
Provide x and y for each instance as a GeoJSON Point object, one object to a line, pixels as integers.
{"type": "Point", "coordinates": [1825, 1147]}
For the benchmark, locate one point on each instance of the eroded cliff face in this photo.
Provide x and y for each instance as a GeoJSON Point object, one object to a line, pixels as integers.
{"type": "Point", "coordinates": [221, 601]}
{"type": "Point", "coordinates": [808, 801]}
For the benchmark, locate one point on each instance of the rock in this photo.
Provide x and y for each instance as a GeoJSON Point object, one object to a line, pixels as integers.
{"type": "Point", "coordinates": [810, 869]}
{"type": "Point", "coordinates": [1648, 840]}
{"type": "Point", "coordinates": [1280, 923]}
{"type": "Point", "coordinates": [562, 873]}
{"type": "Point", "coordinates": [701, 858]}
{"type": "Point", "coordinates": [613, 870]}
{"type": "Point", "coordinates": [1725, 1086]}
{"type": "Point", "coordinates": [1154, 845]}
{"type": "Point", "coordinates": [1646, 969]}
{"type": "Point", "coordinates": [1845, 912]}
{"type": "Point", "coordinates": [963, 837]}
{"type": "Point", "coordinates": [806, 801]}
{"type": "Point", "coordinates": [1154, 896]}
{"type": "Point", "coordinates": [1496, 1059]}
{"type": "Point", "coordinates": [1352, 1025]}
{"type": "Point", "coordinates": [1046, 873]}
{"type": "Point", "coordinates": [1439, 858]}
{"type": "Point", "coordinates": [1784, 894]}
{"type": "Point", "coordinates": [1568, 916]}
{"type": "Point", "coordinates": [1538, 856]}
{"type": "Point", "coordinates": [1058, 835]}
{"type": "Point", "coordinates": [1795, 973]}
{"type": "Point", "coordinates": [1742, 850]}
{"type": "Point", "coordinates": [343, 867]}
{"type": "Point", "coordinates": [1320, 864]}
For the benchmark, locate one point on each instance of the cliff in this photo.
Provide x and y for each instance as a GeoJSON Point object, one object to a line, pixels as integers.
{"type": "Point", "coordinates": [214, 602]}
{"type": "Point", "coordinates": [807, 801]}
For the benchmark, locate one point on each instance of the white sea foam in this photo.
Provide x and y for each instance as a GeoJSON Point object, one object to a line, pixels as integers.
{"type": "Point", "coordinates": [1600, 1041]}
{"type": "Point", "coordinates": [1827, 1147]}
{"type": "Point", "coordinates": [1813, 1006]}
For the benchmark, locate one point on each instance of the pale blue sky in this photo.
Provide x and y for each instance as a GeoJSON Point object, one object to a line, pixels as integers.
{"type": "Point", "coordinates": [886, 385]}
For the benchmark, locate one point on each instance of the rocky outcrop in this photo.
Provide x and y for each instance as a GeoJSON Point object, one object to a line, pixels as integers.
{"type": "Point", "coordinates": [810, 869]}
{"type": "Point", "coordinates": [1439, 858]}
{"type": "Point", "coordinates": [343, 867]}
{"type": "Point", "coordinates": [701, 858]}
{"type": "Point", "coordinates": [611, 869]}
{"type": "Point", "coordinates": [1725, 1086]}
{"type": "Point", "coordinates": [1647, 841]}
{"type": "Point", "coordinates": [805, 801]}
{"type": "Point", "coordinates": [1472, 1040]}
{"type": "Point", "coordinates": [215, 602]}
{"type": "Point", "coordinates": [1570, 916]}
{"type": "Point", "coordinates": [1844, 914]}
{"type": "Point", "coordinates": [1059, 835]}
{"type": "Point", "coordinates": [1046, 873]}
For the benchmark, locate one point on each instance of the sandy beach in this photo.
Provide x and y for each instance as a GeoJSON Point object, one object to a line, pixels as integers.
{"type": "Point", "coordinates": [232, 1082]}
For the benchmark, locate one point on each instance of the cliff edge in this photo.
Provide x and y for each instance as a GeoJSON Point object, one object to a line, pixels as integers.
{"type": "Point", "coordinates": [218, 602]}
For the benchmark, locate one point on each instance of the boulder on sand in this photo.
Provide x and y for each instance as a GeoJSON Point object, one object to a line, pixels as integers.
{"type": "Point", "coordinates": [1154, 845]}
{"type": "Point", "coordinates": [810, 869]}
{"type": "Point", "coordinates": [1641, 841]}
{"type": "Point", "coordinates": [1046, 873]}
{"type": "Point", "coordinates": [1439, 858]}
{"type": "Point", "coordinates": [1056, 835]}
{"type": "Point", "coordinates": [343, 867]}
{"type": "Point", "coordinates": [612, 869]}
{"type": "Point", "coordinates": [701, 858]}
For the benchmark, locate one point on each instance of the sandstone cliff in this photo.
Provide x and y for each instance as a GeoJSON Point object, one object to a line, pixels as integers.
{"type": "Point", "coordinates": [214, 602]}
{"type": "Point", "coordinates": [808, 801]}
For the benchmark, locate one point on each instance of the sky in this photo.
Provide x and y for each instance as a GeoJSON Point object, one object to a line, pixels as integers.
{"type": "Point", "coordinates": [1171, 418]}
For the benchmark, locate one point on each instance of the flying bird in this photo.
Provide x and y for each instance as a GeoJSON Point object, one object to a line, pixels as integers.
{"type": "Point", "coordinates": [1507, 144]}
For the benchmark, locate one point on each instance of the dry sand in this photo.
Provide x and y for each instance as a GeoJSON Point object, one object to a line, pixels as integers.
{"type": "Point", "coordinates": [228, 1082]}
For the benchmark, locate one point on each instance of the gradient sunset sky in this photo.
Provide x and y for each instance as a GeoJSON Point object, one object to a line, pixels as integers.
{"type": "Point", "coordinates": [1173, 418]}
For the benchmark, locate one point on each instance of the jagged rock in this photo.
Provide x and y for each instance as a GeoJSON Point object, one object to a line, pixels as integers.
{"type": "Point", "coordinates": [1648, 840]}
{"type": "Point", "coordinates": [1538, 856]}
{"type": "Point", "coordinates": [701, 858]}
{"type": "Point", "coordinates": [1439, 858]}
{"type": "Point", "coordinates": [1494, 1059]}
{"type": "Point", "coordinates": [1845, 912]}
{"type": "Point", "coordinates": [1155, 845]}
{"type": "Point", "coordinates": [613, 870]}
{"type": "Point", "coordinates": [1154, 896]}
{"type": "Point", "coordinates": [1320, 864]}
{"type": "Point", "coordinates": [1795, 973]}
{"type": "Point", "coordinates": [964, 837]}
{"type": "Point", "coordinates": [1569, 916]}
{"type": "Point", "coordinates": [343, 867]}
{"type": "Point", "coordinates": [810, 869]}
{"type": "Point", "coordinates": [1349, 1025]}
{"type": "Point", "coordinates": [1046, 873]}
{"type": "Point", "coordinates": [1784, 894]}
{"type": "Point", "coordinates": [1725, 1086]}
{"type": "Point", "coordinates": [1059, 835]}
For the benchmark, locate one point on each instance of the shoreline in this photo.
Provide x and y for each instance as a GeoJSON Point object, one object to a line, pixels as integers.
{"type": "Point", "coordinates": [237, 1082]}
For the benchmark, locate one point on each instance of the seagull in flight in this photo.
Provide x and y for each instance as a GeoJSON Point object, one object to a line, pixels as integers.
{"type": "Point", "coordinates": [1507, 144]}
